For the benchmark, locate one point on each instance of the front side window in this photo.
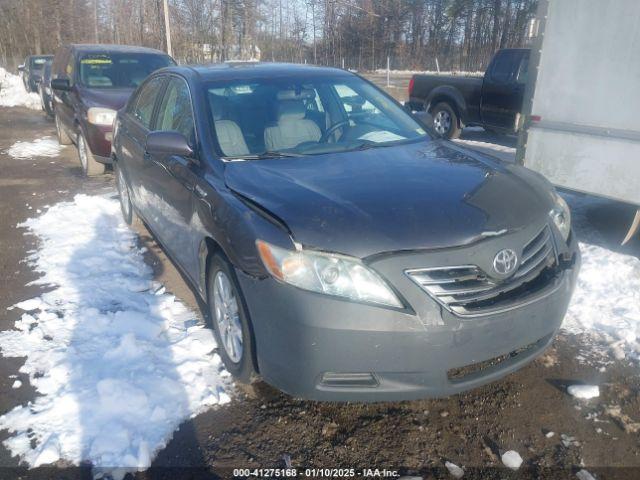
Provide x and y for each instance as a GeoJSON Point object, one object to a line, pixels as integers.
{"type": "Point", "coordinates": [305, 116]}
{"type": "Point", "coordinates": [145, 101]}
{"type": "Point", "coordinates": [119, 70]}
{"type": "Point", "coordinates": [175, 112]}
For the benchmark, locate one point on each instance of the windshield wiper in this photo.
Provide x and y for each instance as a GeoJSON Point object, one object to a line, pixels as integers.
{"type": "Point", "coordinates": [265, 155]}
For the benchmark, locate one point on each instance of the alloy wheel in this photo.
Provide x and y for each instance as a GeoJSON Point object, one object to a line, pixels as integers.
{"type": "Point", "coordinates": [442, 122]}
{"type": "Point", "coordinates": [227, 315]}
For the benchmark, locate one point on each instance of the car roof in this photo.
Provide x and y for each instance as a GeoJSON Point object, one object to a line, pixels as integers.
{"type": "Point", "coordinates": [106, 48]}
{"type": "Point", "coordinates": [251, 70]}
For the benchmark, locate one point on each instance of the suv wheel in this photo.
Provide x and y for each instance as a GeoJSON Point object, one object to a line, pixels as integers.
{"type": "Point", "coordinates": [63, 138]}
{"type": "Point", "coordinates": [445, 121]}
{"type": "Point", "coordinates": [90, 166]}
{"type": "Point", "coordinates": [230, 320]}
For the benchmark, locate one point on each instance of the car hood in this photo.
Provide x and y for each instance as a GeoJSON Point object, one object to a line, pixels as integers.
{"type": "Point", "coordinates": [105, 97]}
{"type": "Point", "coordinates": [418, 196]}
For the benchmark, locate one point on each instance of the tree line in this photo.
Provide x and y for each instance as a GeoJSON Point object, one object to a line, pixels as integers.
{"type": "Point", "coordinates": [356, 34]}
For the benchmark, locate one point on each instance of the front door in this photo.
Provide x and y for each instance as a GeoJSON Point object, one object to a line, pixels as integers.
{"type": "Point", "coordinates": [176, 176]}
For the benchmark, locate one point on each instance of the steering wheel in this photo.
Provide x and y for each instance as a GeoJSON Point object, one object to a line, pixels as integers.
{"type": "Point", "coordinates": [325, 136]}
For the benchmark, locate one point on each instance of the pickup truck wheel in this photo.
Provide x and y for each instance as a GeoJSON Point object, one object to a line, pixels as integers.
{"type": "Point", "coordinates": [231, 325]}
{"type": "Point", "coordinates": [445, 121]}
{"type": "Point", "coordinates": [63, 138]}
{"type": "Point", "coordinates": [90, 166]}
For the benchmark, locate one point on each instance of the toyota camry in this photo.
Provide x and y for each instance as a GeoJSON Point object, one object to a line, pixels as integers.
{"type": "Point", "coordinates": [343, 252]}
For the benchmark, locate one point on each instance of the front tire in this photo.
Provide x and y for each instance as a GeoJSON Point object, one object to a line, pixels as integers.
{"type": "Point", "coordinates": [445, 121]}
{"type": "Point", "coordinates": [63, 137]}
{"type": "Point", "coordinates": [231, 325]}
{"type": "Point", "coordinates": [90, 166]}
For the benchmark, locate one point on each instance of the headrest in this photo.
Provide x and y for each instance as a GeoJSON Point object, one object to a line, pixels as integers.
{"type": "Point", "coordinates": [291, 110]}
{"type": "Point", "coordinates": [99, 81]}
{"type": "Point", "coordinates": [303, 94]}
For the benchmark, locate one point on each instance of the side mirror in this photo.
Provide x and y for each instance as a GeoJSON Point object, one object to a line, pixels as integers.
{"type": "Point", "coordinates": [61, 83]}
{"type": "Point", "coordinates": [21, 68]}
{"type": "Point", "coordinates": [168, 143]}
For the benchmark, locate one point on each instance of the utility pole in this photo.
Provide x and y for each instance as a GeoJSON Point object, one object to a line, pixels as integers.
{"type": "Point", "coordinates": [167, 29]}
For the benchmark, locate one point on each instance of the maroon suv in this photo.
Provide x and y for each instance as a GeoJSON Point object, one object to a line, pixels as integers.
{"type": "Point", "coordinates": [90, 83]}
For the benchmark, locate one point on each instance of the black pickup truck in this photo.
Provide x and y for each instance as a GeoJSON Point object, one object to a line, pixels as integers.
{"type": "Point", "coordinates": [493, 101]}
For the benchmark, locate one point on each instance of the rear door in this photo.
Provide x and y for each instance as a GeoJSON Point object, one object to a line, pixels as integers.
{"type": "Point", "coordinates": [503, 89]}
{"type": "Point", "coordinates": [132, 134]}
{"type": "Point", "coordinates": [175, 177]}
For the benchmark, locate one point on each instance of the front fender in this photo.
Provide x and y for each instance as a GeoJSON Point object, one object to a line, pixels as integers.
{"type": "Point", "coordinates": [449, 94]}
{"type": "Point", "coordinates": [226, 223]}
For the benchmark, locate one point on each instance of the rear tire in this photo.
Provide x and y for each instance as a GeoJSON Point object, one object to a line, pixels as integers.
{"type": "Point", "coordinates": [131, 218]}
{"type": "Point", "coordinates": [90, 166]}
{"type": "Point", "coordinates": [445, 121]}
{"type": "Point", "coordinates": [230, 320]}
{"type": "Point", "coordinates": [63, 138]}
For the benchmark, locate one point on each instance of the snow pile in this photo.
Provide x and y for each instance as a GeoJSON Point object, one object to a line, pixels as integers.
{"type": "Point", "coordinates": [117, 363]}
{"type": "Point", "coordinates": [584, 391]}
{"type": "Point", "coordinates": [606, 302]}
{"type": "Point", "coordinates": [40, 147]}
{"type": "Point", "coordinates": [585, 475]}
{"type": "Point", "coordinates": [454, 470]}
{"type": "Point", "coordinates": [13, 94]}
{"type": "Point", "coordinates": [512, 459]}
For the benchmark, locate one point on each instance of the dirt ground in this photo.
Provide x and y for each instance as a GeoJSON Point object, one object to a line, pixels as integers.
{"type": "Point", "coordinates": [414, 438]}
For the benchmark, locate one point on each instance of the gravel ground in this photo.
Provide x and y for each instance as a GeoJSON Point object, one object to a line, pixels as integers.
{"type": "Point", "coordinates": [269, 429]}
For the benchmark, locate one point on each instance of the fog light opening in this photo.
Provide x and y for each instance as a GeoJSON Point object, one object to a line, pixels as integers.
{"type": "Point", "coordinates": [348, 380]}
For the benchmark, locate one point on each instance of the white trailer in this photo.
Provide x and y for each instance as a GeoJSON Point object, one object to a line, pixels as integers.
{"type": "Point", "coordinates": [582, 104]}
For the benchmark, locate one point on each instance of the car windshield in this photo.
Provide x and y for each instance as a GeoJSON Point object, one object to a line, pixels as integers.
{"type": "Point", "coordinates": [273, 117]}
{"type": "Point", "coordinates": [119, 70]}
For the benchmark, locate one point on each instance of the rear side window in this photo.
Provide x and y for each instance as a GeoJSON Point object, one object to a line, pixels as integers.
{"type": "Point", "coordinates": [175, 112]}
{"type": "Point", "coordinates": [145, 101]}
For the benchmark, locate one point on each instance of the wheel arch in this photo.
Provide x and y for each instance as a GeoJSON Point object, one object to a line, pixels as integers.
{"type": "Point", "coordinates": [450, 96]}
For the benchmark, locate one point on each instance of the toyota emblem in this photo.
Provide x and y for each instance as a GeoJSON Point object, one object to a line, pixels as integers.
{"type": "Point", "coordinates": [505, 261]}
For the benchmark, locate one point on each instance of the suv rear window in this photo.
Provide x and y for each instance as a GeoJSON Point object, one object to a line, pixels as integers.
{"type": "Point", "coordinates": [119, 70]}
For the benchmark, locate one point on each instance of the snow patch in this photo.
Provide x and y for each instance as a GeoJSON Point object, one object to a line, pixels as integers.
{"type": "Point", "coordinates": [585, 475]}
{"type": "Point", "coordinates": [40, 147]}
{"type": "Point", "coordinates": [606, 303]}
{"type": "Point", "coordinates": [454, 470]}
{"type": "Point", "coordinates": [584, 391]}
{"type": "Point", "coordinates": [512, 459]}
{"type": "Point", "coordinates": [13, 94]}
{"type": "Point", "coordinates": [454, 73]}
{"type": "Point", "coordinates": [116, 366]}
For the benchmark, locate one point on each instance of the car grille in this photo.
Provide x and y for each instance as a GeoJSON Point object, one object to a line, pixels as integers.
{"type": "Point", "coordinates": [467, 290]}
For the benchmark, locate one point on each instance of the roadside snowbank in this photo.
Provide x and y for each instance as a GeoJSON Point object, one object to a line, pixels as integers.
{"type": "Point", "coordinates": [40, 147]}
{"type": "Point", "coordinates": [13, 94]}
{"type": "Point", "coordinates": [606, 303]}
{"type": "Point", "coordinates": [117, 363]}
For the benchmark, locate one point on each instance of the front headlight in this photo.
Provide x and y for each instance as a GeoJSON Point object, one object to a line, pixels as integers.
{"type": "Point", "coordinates": [101, 116]}
{"type": "Point", "coordinates": [325, 273]}
{"type": "Point", "coordinates": [561, 215]}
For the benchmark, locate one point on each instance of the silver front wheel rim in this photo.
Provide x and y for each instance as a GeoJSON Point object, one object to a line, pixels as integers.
{"type": "Point", "coordinates": [82, 151]}
{"type": "Point", "coordinates": [442, 122]}
{"type": "Point", "coordinates": [227, 314]}
{"type": "Point", "coordinates": [125, 201]}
